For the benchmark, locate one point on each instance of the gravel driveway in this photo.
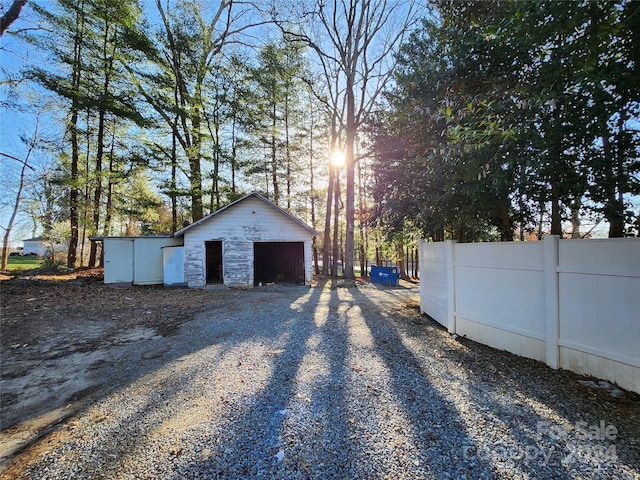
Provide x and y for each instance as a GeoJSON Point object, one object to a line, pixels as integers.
{"type": "Point", "coordinates": [298, 382]}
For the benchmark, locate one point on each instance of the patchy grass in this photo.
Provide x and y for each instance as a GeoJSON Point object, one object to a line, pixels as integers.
{"type": "Point", "coordinates": [23, 263]}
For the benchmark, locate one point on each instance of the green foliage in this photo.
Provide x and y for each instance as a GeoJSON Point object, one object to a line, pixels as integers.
{"type": "Point", "coordinates": [502, 108]}
{"type": "Point", "coordinates": [274, 115]}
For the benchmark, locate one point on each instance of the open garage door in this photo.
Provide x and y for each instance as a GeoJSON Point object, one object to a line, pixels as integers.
{"type": "Point", "coordinates": [280, 262]}
{"type": "Point", "coordinates": [213, 252]}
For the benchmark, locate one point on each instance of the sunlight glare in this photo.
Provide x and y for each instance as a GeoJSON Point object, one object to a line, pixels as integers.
{"type": "Point", "coordinates": [338, 159]}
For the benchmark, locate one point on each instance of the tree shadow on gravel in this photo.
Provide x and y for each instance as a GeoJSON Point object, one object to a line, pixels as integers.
{"type": "Point", "coordinates": [532, 410]}
{"type": "Point", "coordinates": [143, 421]}
{"type": "Point", "coordinates": [440, 434]}
{"type": "Point", "coordinates": [337, 424]}
{"type": "Point", "coordinates": [331, 425]}
{"type": "Point", "coordinates": [249, 440]}
{"type": "Point", "coordinates": [298, 425]}
{"type": "Point", "coordinates": [561, 420]}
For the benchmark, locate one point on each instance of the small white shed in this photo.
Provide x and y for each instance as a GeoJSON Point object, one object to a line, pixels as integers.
{"type": "Point", "coordinates": [248, 242]}
{"type": "Point", "coordinates": [136, 260]}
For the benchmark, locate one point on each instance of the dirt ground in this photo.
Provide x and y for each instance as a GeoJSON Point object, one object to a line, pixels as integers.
{"type": "Point", "coordinates": [64, 336]}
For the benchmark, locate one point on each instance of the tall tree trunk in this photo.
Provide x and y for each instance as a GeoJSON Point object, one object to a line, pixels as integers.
{"type": "Point", "coordinates": [361, 226]}
{"type": "Point", "coordinates": [314, 244]}
{"type": "Point", "coordinates": [216, 165]}
{"type": "Point", "coordinates": [408, 258]}
{"type": "Point", "coordinates": [326, 243]}
{"type": "Point", "coordinates": [214, 133]}
{"type": "Point", "coordinates": [97, 193]}
{"type": "Point", "coordinates": [87, 185]}
{"type": "Point", "coordinates": [195, 173]}
{"type": "Point", "coordinates": [336, 225]}
{"type": "Point", "coordinates": [612, 211]}
{"type": "Point", "coordinates": [287, 148]}
{"type": "Point", "coordinates": [543, 204]}
{"type": "Point", "coordinates": [274, 157]}
{"type": "Point", "coordinates": [575, 219]}
{"type": "Point", "coordinates": [108, 57]}
{"type": "Point", "coordinates": [506, 227]}
{"type": "Point", "coordinates": [351, 128]}
{"type": "Point", "coordinates": [233, 155]}
{"type": "Point", "coordinates": [174, 182]}
{"type": "Point", "coordinates": [174, 163]}
{"type": "Point", "coordinates": [108, 212]}
{"type": "Point", "coordinates": [401, 259]}
{"type": "Point", "coordinates": [616, 214]}
{"type": "Point", "coordinates": [556, 215]}
{"type": "Point", "coordinates": [74, 192]}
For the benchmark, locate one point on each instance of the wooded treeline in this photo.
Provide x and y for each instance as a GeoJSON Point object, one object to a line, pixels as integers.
{"type": "Point", "coordinates": [169, 120]}
{"type": "Point", "coordinates": [171, 111]}
{"type": "Point", "coordinates": [482, 121]}
{"type": "Point", "coordinates": [513, 118]}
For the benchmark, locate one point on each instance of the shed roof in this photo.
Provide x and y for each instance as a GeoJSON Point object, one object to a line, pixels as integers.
{"type": "Point", "coordinates": [256, 195]}
{"type": "Point", "coordinates": [99, 238]}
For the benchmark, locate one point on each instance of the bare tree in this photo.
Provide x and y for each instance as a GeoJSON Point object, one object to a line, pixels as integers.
{"type": "Point", "coordinates": [354, 42]}
{"type": "Point", "coordinates": [31, 145]}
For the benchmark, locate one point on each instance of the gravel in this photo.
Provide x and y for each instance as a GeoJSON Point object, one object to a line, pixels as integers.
{"type": "Point", "coordinates": [296, 382]}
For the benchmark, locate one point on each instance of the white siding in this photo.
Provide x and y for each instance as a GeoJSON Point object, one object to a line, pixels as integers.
{"type": "Point", "coordinates": [135, 260]}
{"type": "Point", "coordinates": [246, 222]}
{"type": "Point", "coordinates": [148, 263]}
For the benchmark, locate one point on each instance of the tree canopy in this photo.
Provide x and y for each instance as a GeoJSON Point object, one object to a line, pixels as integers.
{"type": "Point", "coordinates": [506, 112]}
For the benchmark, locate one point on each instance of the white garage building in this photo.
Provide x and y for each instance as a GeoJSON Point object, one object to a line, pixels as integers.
{"type": "Point", "coordinates": [248, 242]}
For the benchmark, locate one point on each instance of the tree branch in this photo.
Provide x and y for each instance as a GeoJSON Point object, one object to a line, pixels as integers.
{"type": "Point", "coordinates": [11, 16]}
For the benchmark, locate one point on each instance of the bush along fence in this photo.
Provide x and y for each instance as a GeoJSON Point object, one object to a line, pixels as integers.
{"type": "Point", "coordinates": [573, 304]}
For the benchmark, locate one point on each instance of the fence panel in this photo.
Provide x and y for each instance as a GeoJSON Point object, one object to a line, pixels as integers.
{"type": "Point", "coordinates": [574, 304]}
{"type": "Point", "coordinates": [499, 296]}
{"type": "Point", "coordinates": [599, 308]}
{"type": "Point", "coordinates": [433, 276]}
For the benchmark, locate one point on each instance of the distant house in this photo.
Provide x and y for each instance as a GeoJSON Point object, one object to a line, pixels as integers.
{"type": "Point", "coordinates": [249, 242]}
{"type": "Point", "coordinates": [41, 246]}
{"type": "Point", "coordinates": [35, 246]}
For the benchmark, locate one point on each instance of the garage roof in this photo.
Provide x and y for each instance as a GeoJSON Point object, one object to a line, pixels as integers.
{"type": "Point", "coordinates": [256, 195]}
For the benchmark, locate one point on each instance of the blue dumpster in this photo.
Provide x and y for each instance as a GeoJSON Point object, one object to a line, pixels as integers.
{"type": "Point", "coordinates": [385, 275]}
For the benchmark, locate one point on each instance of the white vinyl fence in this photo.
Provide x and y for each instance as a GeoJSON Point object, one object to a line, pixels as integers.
{"type": "Point", "coordinates": [573, 304]}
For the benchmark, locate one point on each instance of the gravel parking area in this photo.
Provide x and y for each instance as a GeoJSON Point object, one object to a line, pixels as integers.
{"type": "Point", "coordinates": [292, 382]}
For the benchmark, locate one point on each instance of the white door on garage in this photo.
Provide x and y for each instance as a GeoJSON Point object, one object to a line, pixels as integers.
{"type": "Point", "coordinates": [118, 260]}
